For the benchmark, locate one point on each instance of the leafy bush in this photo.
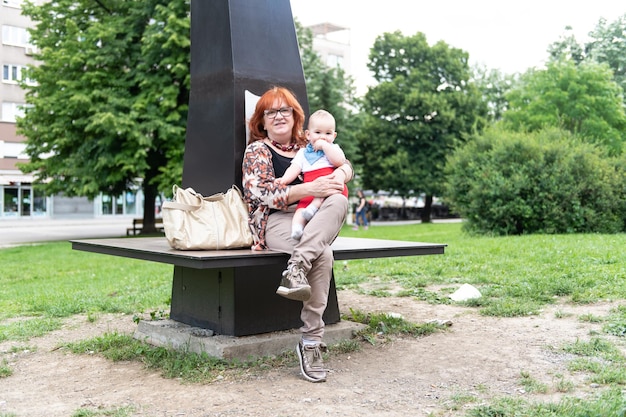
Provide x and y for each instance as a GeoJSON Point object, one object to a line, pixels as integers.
{"type": "Point", "coordinates": [507, 183]}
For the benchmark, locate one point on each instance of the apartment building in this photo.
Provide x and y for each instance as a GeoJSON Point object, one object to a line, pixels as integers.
{"type": "Point", "coordinates": [16, 193]}
{"type": "Point", "coordinates": [332, 43]}
{"type": "Point", "coordinates": [18, 196]}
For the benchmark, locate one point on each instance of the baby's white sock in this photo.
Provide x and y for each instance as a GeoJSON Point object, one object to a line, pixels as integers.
{"type": "Point", "coordinates": [296, 231]}
{"type": "Point", "coordinates": [309, 212]}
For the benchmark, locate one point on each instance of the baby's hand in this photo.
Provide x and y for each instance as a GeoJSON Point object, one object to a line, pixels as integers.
{"type": "Point", "coordinates": [278, 181]}
{"type": "Point", "coordinates": [319, 145]}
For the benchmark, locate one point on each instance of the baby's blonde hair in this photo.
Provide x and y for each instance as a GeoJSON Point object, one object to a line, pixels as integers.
{"type": "Point", "coordinates": [320, 115]}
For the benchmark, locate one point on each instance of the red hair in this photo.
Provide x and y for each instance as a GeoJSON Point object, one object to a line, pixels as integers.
{"type": "Point", "coordinates": [257, 122]}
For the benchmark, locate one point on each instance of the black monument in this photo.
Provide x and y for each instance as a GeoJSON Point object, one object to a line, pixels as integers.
{"type": "Point", "coordinates": [238, 48]}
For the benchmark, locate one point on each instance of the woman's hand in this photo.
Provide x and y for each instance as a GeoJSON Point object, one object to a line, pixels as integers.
{"type": "Point", "coordinates": [334, 182]}
{"type": "Point", "coordinates": [328, 185]}
{"type": "Point", "coordinates": [320, 187]}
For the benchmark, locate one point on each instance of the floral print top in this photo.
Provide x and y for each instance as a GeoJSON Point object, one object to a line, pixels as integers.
{"type": "Point", "coordinates": [260, 190]}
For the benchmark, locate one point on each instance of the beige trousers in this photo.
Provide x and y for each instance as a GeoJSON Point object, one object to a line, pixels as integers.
{"type": "Point", "coordinates": [313, 252]}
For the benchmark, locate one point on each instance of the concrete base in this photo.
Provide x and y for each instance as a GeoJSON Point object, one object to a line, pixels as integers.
{"type": "Point", "coordinates": [179, 336]}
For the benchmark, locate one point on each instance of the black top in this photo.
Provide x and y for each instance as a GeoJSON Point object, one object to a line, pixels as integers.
{"type": "Point", "coordinates": [281, 163]}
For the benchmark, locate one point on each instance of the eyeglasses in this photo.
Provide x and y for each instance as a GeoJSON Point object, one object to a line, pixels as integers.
{"type": "Point", "coordinates": [284, 111]}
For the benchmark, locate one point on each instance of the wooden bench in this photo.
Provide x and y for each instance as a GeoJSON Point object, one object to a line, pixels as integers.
{"type": "Point", "coordinates": [138, 226]}
{"type": "Point", "coordinates": [233, 292]}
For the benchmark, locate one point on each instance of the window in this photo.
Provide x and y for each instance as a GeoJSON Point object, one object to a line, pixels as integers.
{"type": "Point", "coordinates": [122, 204]}
{"type": "Point", "coordinates": [11, 202]}
{"type": "Point", "coordinates": [12, 35]}
{"type": "Point", "coordinates": [13, 150]}
{"type": "Point", "coordinates": [26, 202]}
{"type": "Point", "coordinates": [333, 60]}
{"type": "Point", "coordinates": [131, 203]}
{"type": "Point", "coordinates": [12, 3]}
{"type": "Point", "coordinates": [39, 203]}
{"type": "Point", "coordinates": [10, 111]}
{"type": "Point", "coordinates": [12, 73]}
{"type": "Point", "coordinates": [106, 204]}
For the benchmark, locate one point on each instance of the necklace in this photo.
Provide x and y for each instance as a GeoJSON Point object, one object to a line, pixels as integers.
{"type": "Point", "coordinates": [287, 148]}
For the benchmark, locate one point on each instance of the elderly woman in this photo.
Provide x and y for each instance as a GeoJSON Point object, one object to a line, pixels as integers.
{"type": "Point", "coordinates": [276, 133]}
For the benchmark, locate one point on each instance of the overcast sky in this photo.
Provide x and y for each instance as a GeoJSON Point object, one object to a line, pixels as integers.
{"type": "Point", "coordinates": [509, 35]}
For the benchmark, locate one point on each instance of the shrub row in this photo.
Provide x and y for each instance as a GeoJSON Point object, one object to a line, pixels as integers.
{"type": "Point", "coordinates": [509, 183]}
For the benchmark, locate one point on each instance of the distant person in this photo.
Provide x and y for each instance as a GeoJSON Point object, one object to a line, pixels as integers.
{"type": "Point", "coordinates": [318, 158]}
{"type": "Point", "coordinates": [361, 211]}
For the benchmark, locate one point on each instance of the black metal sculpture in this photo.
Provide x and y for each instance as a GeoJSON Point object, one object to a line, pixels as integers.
{"type": "Point", "coordinates": [236, 46]}
{"type": "Point", "coordinates": [239, 49]}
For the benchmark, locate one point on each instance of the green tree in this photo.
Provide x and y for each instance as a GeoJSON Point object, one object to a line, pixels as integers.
{"type": "Point", "coordinates": [423, 106]}
{"type": "Point", "coordinates": [108, 108]}
{"type": "Point", "coordinates": [493, 85]}
{"type": "Point", "coordinates": [582, 99]}
{"type": "Point", "coordinates": [567, 47]}
{"type": "Point", "coordinates": [608, 45]}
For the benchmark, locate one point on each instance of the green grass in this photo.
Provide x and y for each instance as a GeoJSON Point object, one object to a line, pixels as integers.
{"type": "Point", "coordinates": [383, 325]}
{"type": "Point", "coordinates": [201, 368]}
{"type": "Point", "coordinates": [610, 403]}
{"type": "Point", "coordinates": [517, 276]}
{"type": "Point", "coordinates": [189, 366]}
{"type": "Point", "coordinates": [111, 412]}
{"type": "Point", "coordinates": [5, 369]}
{"type": "Point", "coordinates": [54, 281]}
{"type": "Point", "coordinates": [530, 384]}
{"type": "Point", "coordinates": [616, 324]}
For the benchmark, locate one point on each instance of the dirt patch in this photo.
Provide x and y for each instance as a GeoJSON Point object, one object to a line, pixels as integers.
{"type": "Point", "coordinates": [477, 358]}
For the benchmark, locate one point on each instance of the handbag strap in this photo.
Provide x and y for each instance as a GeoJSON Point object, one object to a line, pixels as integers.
{"type": "Point", "coordinates": [215, 197]}
{"type": "Point", "coordinates": [234, 187]}
{"type": "Point", "coordinates": [190, 207]}
{"type": "Point", "coordinates": [179, 206]}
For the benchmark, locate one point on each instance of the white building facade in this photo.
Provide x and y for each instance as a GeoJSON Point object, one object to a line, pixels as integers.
{"type": "Point", "coordinates": [332, 44]}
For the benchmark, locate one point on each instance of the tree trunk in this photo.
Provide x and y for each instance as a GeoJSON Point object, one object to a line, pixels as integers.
{"type": "Point", "coordinates": [427, 210]}
{"type": "Point", "coordinates": [150, 190]}
{"type": "Point", "coordinates": [403, 215]}
{"type": "Point", "coordinates": [149, 199]}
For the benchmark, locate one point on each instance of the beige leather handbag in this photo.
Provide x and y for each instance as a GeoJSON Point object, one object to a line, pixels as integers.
{"type": "Point", "coordinates": [194, 222]}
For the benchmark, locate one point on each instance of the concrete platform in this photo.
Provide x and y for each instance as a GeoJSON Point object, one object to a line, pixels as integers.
{"type": "Point", "coordinates": [179, 336]}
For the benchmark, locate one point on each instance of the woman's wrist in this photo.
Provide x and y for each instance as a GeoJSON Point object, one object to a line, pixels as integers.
{"type": "Point", "coordinates": [347, 171]}
{"type": "Point", "coordinates": [299, 191]}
